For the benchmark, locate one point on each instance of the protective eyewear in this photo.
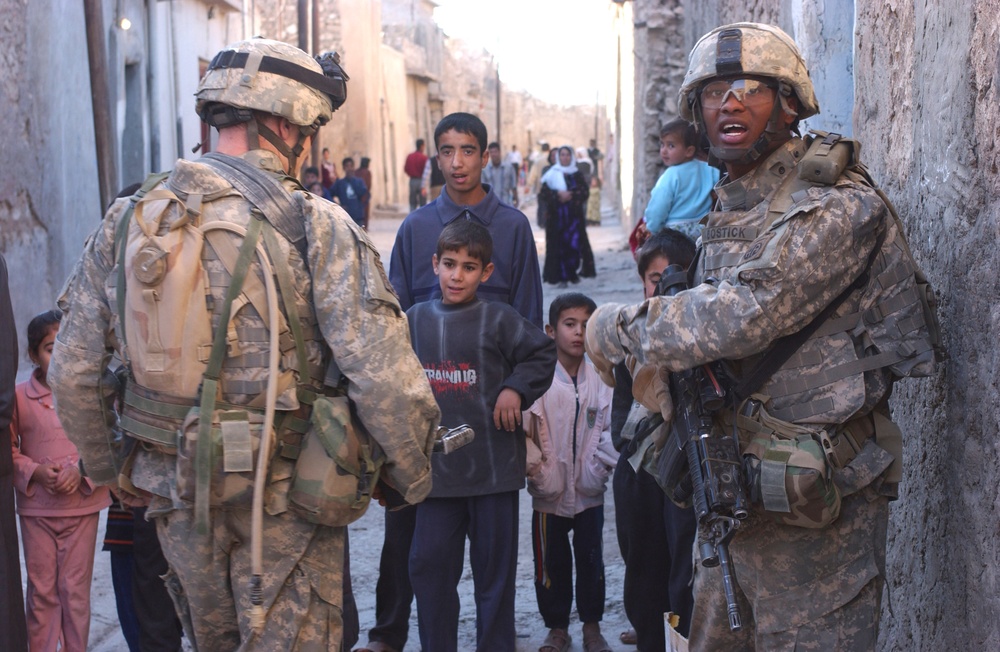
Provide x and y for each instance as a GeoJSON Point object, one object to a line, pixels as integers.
{"type": "Point", "coordinates": [748, 92]}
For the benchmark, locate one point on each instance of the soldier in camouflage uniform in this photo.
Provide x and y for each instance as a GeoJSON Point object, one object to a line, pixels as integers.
{"type": "Point", "coordinates": [267, 99]}
{"type": "Point", "coordinates": [759, 277]}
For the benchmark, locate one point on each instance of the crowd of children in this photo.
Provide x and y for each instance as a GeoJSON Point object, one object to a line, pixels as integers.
{"type": "Point", "coordinates": [466, 271]}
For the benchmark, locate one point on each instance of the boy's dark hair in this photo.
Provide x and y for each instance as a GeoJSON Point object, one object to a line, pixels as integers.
{"type": "Point", "coordinates": [684, 129]}
{"type": "Point", "coordinates": [347, 159]}
{"type": "Point", "coordinates": [325, 150]}
{"type": "Point", "coordinates": [463, 123]}
{"type": "Point", "coordinates": [364, 162]}
{"type": "Point", "coordinates": [568, 301]}
{"type": "Point", "coordinates": [669, 243]}
{"type": "Point", "coordinates": [466, 234]}
{"type": "Point", "coordinates": [312, 169]}
{"type": "Point", "coordinates": [493, 145]}
{"type": "Point", "coordinates": [420, 142]}
{"type": "Point", "coordinates": [40, 326]}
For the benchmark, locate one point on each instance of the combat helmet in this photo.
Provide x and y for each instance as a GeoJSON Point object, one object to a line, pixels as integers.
{"type": "Point", "coordinates": [743, 49]}
{"type": "Point", "coordinates": [271, 77]}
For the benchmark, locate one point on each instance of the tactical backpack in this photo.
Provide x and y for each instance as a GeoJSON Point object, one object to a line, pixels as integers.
{"type": "Point", "coordinates": [899, 325]}
{"type": "Point", "coordinates": [316, 461]}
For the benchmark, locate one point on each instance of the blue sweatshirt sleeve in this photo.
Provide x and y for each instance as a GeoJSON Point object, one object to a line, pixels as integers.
{"type": "Point", "coordinates": [533, 357]}
{"type": "Point", "coordinates": [661, 200]}
{"type": "Point", "coordinates": [399, 267]}
{"type": "Point", "coordinates": [526, 277]}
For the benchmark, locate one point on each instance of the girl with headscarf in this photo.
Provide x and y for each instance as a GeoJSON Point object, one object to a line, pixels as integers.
{"type": "Point", "coordinates": [564, 192]}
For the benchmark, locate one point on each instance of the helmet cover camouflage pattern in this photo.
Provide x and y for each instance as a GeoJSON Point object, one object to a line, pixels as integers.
{"type": "Point", "coordinates": [748, 49]}
{"type": "Point", "coordinates": [249, 87]}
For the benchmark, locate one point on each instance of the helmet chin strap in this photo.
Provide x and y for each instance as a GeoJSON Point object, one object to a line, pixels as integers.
{"type": "Point", "coordinates": [256, 128]}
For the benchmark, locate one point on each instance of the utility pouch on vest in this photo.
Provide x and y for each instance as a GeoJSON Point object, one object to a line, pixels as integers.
{"type": "Point", "coordinates": [788, 471]}
{"type": "Point", "coordinates": [235, 438]}
{"type": "Point", "coordinates": [337, 468]}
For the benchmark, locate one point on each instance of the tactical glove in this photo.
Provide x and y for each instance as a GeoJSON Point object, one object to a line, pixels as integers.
{"type": "Point", "coordinates": [602, 342]}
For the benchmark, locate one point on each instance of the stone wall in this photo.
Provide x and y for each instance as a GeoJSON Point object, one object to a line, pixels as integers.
{"type": "Point", "coordinates": [660, 63]}
{"type": "Point", "coordinates": [49, 198]}
{"type": "Point", "coordinates": [927, 111]}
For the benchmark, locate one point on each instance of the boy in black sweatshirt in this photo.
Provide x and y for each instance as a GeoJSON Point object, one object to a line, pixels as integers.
{"type": "Point", "coordinates": [486, 363]}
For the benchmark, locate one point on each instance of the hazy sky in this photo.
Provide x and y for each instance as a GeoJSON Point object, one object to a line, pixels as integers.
{"type": "Point", "coordinates": [558, 50]}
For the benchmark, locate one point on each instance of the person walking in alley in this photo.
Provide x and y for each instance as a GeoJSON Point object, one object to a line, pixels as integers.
{"type": "Point", "coordinates": [564, 192]}
{"type": "Point", "coordinates": [351, 193]}
{"type": "Point", "coordinates": [500, 176]}
{"type": "Point", "coordinates": [365, 174]}
{"type": "Point", "coordinates": [414, 169]}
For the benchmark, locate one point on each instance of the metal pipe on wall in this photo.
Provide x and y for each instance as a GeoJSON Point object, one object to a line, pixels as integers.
{"type": "Point", "coordinates": [302, 13]}
{"type": "Point", "coordinates": [152, 92]}
{"type": "Point", "coordinates": [315, 50]}
{"type": "Point", "coordinates": [100, 99]}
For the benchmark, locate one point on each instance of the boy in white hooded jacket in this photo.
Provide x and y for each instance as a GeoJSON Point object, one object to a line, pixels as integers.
{"type": "Point", "coordinates": [570, 457]}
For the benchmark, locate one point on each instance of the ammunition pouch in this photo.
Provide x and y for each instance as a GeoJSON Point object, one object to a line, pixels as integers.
{"type": "Point", "coordinates": [338, 466]}
{"type": "Point", "coordinates": [788, 472]}
{"type": "Point", "coordinates": [231, 460]}
{"type": "Point", "coordinates": [798, 474]}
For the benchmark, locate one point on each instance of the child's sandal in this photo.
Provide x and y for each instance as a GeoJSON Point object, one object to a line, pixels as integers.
{"type": "Point", "coordinates": [595, 642]}
{"type": "Point", "coordinates": [558, 640]}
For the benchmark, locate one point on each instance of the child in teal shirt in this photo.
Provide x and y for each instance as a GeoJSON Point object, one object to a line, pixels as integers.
{"type": "Point", "coordinates": [683, 193]}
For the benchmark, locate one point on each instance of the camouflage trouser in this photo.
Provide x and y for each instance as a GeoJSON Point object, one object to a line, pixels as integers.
{"type": "Point", "coordinates": [209, 581]}
{"type": "Point", "coordinates": [799, 589]}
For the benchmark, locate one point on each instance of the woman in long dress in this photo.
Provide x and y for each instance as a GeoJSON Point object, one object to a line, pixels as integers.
{"type": "Point", "coordinates": [564, 192]}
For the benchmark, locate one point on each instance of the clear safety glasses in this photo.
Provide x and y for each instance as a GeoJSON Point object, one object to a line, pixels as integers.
{"type": "Point", "coordinates": [748, 92]}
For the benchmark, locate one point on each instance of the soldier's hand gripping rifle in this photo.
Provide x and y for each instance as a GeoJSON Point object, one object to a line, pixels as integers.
{"type": "Point", "coordinates": [714, 483]}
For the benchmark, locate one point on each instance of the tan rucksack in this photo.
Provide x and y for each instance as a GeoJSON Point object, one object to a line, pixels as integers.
{"type": "Point", "coordinates": [329, 465]}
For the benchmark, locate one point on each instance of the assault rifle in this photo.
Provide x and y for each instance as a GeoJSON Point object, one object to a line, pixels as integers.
{"type": "Point", "coordinates": [714, 482]}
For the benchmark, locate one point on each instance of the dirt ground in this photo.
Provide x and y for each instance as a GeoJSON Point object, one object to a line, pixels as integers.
{"type": "Point", "coordinates": [616, 281]}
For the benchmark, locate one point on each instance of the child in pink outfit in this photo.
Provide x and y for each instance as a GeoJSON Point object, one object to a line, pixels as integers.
{"type": "Point", "coordinates": [59, 508]}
